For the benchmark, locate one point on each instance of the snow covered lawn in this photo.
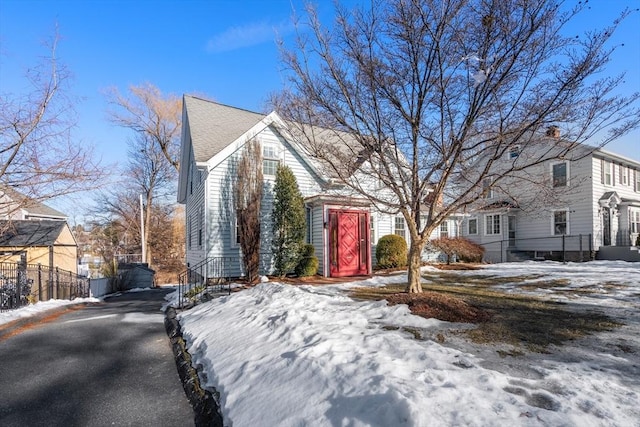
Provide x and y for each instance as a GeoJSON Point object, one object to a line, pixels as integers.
{"type": "Point", "coordinates": [282, 355]}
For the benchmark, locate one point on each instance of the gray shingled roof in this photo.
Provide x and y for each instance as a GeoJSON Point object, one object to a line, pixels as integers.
{"type": "Point", "coordinates": [33, 207]}
{"type": "Point", "coordinates": [213, 126]}
{"type": "Point", "coordinates": [26, 233]}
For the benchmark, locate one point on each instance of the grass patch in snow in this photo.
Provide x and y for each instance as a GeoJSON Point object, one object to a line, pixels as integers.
{"type": "Point", "coordinates": [522, 321]}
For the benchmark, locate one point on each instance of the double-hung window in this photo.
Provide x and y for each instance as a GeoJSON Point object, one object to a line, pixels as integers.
{"type": "Point", "coordinates": [487, 189]}
{"type": "Point", "coordinates": [444, 229]}
{"type": "Point", "coordinates": [624, 172]}
{"type": "Point", "coordinates": [472, 226]}
{"type": "Point", "coordinates": [270, 160]}
{"type": "Point", "coordinates": [634, 220]}
{"type": "Point", "coordinates": [399, 228]}
{"type": "Point", "coordinates": [560, 223]}
{"type": "Point", "coordinates": [492, 224]}
{"type": "Point", "coordinates": [607, 174]}
{"type": "Point", "coordinates": [559, 174]}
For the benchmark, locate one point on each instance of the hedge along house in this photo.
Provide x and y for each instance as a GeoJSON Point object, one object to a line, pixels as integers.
{"type": "Point", "coordinates": [342, 226]}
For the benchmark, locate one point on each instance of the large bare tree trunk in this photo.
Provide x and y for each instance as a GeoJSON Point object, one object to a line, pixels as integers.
{"type": "Point", "coordinates": [414, 285]}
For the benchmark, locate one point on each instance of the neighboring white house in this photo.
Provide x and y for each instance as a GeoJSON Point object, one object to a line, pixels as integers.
{"type": "Point", "coordinates": [567, 209]}
{"type": "Point", "coordinates": [16, 206]}
{"type": "Point", "coordinates": [343, 227]}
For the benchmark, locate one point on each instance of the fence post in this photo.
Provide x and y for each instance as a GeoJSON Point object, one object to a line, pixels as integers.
{"type": "Point", "coordinates": [57, 275]}
{"type": "Point", "coordinates": [580, 237]}
{"type": "Point", "coordinates": [564, 258]}
{"type": "Point", "coordinates": [39, 282]}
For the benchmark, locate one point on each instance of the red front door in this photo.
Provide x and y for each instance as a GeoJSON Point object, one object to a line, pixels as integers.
{"type": "Point", "coordinates": [348, 243]}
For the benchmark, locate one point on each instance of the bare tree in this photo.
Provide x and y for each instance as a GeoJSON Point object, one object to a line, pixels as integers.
{"type": "Point", "coordinates": [425, 97]}
{"type": "Point", "coordinates": [151, 175]}
{"type": "Point", "coordinates": [247, 200]}
{"type": "Point", "coordinates": [117, 232]}
{"type": "Point", "coordinates": [147, 112]}
{"type": "Point", "coordinates": [38, 154]}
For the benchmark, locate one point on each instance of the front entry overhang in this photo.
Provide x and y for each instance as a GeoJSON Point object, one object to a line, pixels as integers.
{"type": "Point", "coordinates": [346, 241]}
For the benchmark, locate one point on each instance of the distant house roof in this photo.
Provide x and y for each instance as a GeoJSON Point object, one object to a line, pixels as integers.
{"type": "Point", "coordinates": [213, 126]}
{"type": "Point", "coordinates": [33, 208]}
{"type": "Point", "coordinates": [25, 233]}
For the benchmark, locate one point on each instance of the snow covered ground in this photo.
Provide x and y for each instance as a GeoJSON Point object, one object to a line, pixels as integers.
{"type": "Point", "coordinates": [39, 307]}
{"type": "Point", "coordinates": [282, 355]}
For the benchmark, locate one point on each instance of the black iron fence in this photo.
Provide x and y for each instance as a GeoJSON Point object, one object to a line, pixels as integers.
{"type": "Point", "coordinates": [22, 284]}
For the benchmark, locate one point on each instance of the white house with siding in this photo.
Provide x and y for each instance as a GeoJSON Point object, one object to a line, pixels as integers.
{"type": "Point", "coordinates": [343, 227]}
{"type": "Point", "coordinates": [584, 205]}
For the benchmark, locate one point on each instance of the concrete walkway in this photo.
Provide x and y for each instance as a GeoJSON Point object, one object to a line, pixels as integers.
{"type": "Point", "coordinates": [99, 365]}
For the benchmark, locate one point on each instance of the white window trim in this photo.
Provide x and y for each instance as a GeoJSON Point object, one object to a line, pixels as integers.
{"type": "Point", "coordinates": [404, 226]}
{"type": "Point", "coordinates": [553, 222]}
{"type": "Point", "coordinates": [446, 225]}
{"type": "Point", "coordinates": [607, 166]}
{"type": "Point", "coordinates": [632, 220]}
{"type": "Point", "coordinates": [568, 172]}
{"type": "Point", "coordinates": [373, 228]}
{"type": "Point", "coordinates": [275, 157]}
{"type": "Point", "coordinates": [486, 231]}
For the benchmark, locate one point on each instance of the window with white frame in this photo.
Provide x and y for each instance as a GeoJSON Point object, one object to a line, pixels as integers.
{"type": "Point", "coordinates": [624, 175]}
{"type": "Point", "coordinates": [492, 224]}
{"type": "Point", "coordinates": [560, 223]}
{"type": "Point", "coordinates": [444, 229]}
{"type": "Point", "coordinates": [487, 190]}
{"type": "Point", "coordinates": [189, 231]}
{"type": "Point", "coordinates": [559, 172]}
{"type": "Point", "coordinates": [472, 226]}
{"type": "Point", "coordinates": [399, 227]}
{"type": "Point", "coordinates": [514, 152]}
{"type": "Point", "coordinates": [637, 185]}
{"type": "Point", "coordinates": [607, 174]}
{"type": "Point", "coordinates": [634, 221]}
{"type": "Point", "coordinates": [270, 160]}
{"type": "Point", "coordinates": [372, 229]}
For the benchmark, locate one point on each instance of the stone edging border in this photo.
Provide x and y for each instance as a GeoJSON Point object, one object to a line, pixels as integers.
{"type": "Point", "coordinates": [205, 406]}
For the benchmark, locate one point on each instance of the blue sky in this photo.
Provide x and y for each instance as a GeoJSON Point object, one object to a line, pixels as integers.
{"type": "Point", "coordinates": [222, 49]}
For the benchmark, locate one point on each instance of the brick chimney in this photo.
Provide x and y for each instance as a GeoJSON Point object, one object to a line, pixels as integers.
{"type": "Point", "coordinates": [553, 131]}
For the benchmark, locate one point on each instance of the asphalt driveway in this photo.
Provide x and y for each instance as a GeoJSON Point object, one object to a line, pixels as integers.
{"type": "Point", "coordinates": [105, 364]}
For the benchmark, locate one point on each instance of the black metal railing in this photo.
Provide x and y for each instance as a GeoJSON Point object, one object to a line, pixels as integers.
{"type": "Point", "coordinates": [22, 284]}
{"type": "Point", "coordinates": [210, 275]}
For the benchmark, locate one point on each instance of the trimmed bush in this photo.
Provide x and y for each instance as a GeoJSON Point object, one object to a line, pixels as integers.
{"type": "Point", "coordinates": [391, 251]}
{"type": "Point", "coordinates": [464, 249]}
{"type": "Point", "coordinates": [308, 265]}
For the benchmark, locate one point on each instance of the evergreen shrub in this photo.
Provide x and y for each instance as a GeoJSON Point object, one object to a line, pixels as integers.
{"type": "Point", "coordinates": [308, 265]}
{"type": "Point", "coordinates": [391, 251]}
